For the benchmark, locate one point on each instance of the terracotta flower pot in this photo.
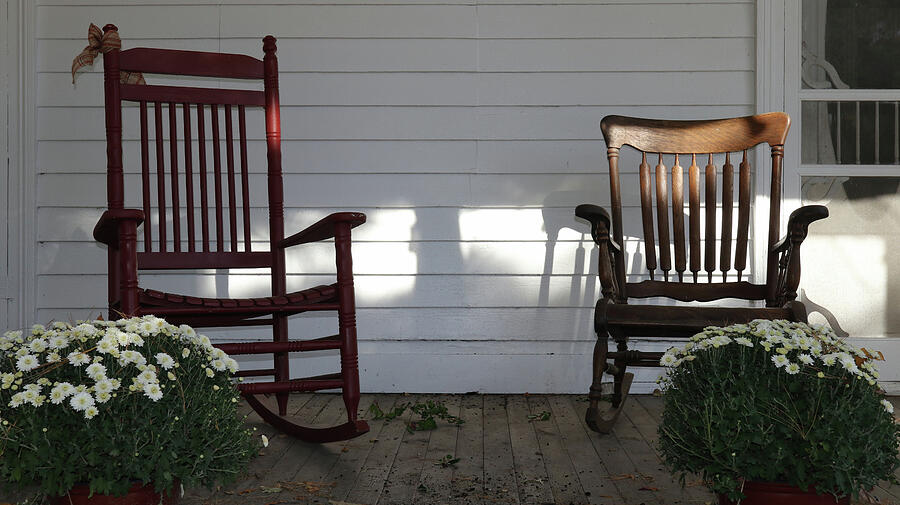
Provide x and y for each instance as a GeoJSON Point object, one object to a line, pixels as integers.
{"type": "Point", "coordinates": [772, 493]}
{"type": "Point", "coordinates": [138, 494]}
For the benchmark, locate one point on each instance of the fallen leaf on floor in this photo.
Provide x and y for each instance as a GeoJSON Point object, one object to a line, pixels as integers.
{"type": "Point", "coordinates": [266, 489]}
{"type": "Point", "coordinates": [338, 502]}
{"type": "Point", "coordinates": [648, 488]}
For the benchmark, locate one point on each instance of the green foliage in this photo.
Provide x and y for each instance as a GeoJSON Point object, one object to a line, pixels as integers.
{"type": "Point", "coordinates": [427, 413]}
{"type": "Point", "coordinates": [149, 401]}
{"type": "Point", "coordinates": [543, 416]}
{"type": "Point", "coordinates": [447, 461]}
{"type": "Point", "coordinates": [776, 401]}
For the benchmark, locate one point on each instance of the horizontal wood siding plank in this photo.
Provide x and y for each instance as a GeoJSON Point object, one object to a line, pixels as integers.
{"type": "Point", "coordinates": [635, 20]}
{"type": "Point", "coordinates": [406, 123]}
{"type": "Point", "coordinates": [458, 88]}
{"type": "Point", "coordinates": [134, 21]}
{"type": "Point", "coordinates": [379, 156]}
{"type": "Point", "coordinates": [365, 190]}
{"type": "Point", "coordinates": [350, 21]}
{"type": "Point", "coordinates": [447, 224]}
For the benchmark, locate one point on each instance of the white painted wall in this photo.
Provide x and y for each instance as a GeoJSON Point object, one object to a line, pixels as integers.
{"type": "Point", "coordinates": [467, 131]}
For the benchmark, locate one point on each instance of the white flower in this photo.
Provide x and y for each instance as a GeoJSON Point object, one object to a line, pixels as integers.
{"type": "Point", "coordinates": [147, 377]}
{"type": "Point", "coordinates": [82, 401]}
{"type": "Point", "coordinates": [56, 397]}
{"type": "Point", "coordinates": [829, 359]}
{"type": "Point", "coordinates": [744, 341]}
{"type": "Point", "coordinates": [668, 359]}
{"type": "Point", "coordinates": [265, 440]}
{"type": "Point", "coordinates": [888, 406]}
{"type": "Point", "coordinates": [231, 364]}
{"type": "Point", "coordinates": [806, 358]}
{"type": "Point", "coordinates": [165, 361]}
{"type": "Point", "coordinates": [96, 371]}
{"type": "Point", "coordinates": [17, 400]}
{"type": "Point", "coordinates": [187, 331]}
{"type": "Point", "coordinates": [78, 358]}
{"type": "Point", "coordinates": [90, 412]}
{"type": "Point", "coordinates": [107, 345]}
{"type": "Point", "coordinates": [103, 396]}
{"type": "Point", "coordinates": [780, 360]}
{"type": "Point", "coordinates": [58, 342]}
{"type": "Point", "coordinates": [103, 386]}
{"type": "Point", "coordinates": [153, 391]}
{"type": "Point", "coordinates": [132, 357]}
{"type": "Point", "coordinates": [218, 354]}
{"type": "Point", "coordinates": [792, 368]}
{"type": "Point", "coordinates": [209, 372]}
{"type": "Point", "coordinates": [185, 352]}
{"type": "Point", "coordinates": [38, 345]}
{"type": "Point", "coordinates": [27, 362]}
{"type": "Point", "coordinates": [720, 340]}
{"type": "Point", "coordinates": [218, 364]}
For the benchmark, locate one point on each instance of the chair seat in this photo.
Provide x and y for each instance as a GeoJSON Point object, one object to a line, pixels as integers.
{"type": "Point", "coordinates": [680, 321]}
{"type": "Point", "coordinates": [298, 301]}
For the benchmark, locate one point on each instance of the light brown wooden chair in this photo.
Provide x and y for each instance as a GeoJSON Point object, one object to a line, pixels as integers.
{"type": "Point", "coordinates": [699, 272]}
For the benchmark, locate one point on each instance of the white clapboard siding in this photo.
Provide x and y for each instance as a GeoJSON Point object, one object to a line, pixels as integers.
{"type": "Point", "coordinates": [466, 130]}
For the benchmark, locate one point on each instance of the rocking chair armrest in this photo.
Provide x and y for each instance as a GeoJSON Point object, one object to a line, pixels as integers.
{"type": "Point", "coordinates": [106, 230]}
{"type": "Point", "coordinates": [600, 224]}
{"type": "Point", "coordinates": [784, 257]}
{"type": "Point", "coordinates": [323, 229]}
{"type": "Point", "coordinates": [798, 224]}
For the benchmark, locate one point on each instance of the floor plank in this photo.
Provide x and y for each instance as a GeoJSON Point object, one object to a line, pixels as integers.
{"type": "Point", "coordinates": [372, 477]}
{"type": "Point", "coordinates": [435, 482]}
{"type": "Point", "coordinates": [624, 473]}
{"type": "Point", "coordinates": [500, 484]}
{"type": "Point", "coordinates": [589, 467]}
{"type": "Point", "coordinates": [402, 482]}
{"type": "Point", "coordinates": [468, 474]}
{"type": "Point", "coordinates": [531, 473]}
{"type": "Point", "coordinates": [351, 462]}
{"type": "Point", "coordinates": [564, 481]}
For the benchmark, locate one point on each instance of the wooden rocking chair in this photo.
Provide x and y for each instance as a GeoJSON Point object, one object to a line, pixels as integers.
{"type": "Point", "coordinates": [697, 280]}
{"type": "Point", "coordinates": [200, 219]}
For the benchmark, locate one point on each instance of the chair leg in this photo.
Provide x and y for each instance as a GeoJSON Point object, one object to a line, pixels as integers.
{"type": "Point", "coordinates": [619, 366]}
{"type": "Point", "coordinates": [603, 421]}
{"type": "Point", "coordinates": [601, 347]}
{"type": "Point", "coordinates": [347, 320]}
{"type": "Point", "coordinates": [282, 362]}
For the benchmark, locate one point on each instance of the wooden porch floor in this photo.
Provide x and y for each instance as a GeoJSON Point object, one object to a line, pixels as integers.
{"type": "Point", "coordinates": [509, 450]}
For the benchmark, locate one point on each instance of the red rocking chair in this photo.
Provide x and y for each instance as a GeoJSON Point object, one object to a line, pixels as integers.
{"type": "Point", "coordinates": [193, 224]}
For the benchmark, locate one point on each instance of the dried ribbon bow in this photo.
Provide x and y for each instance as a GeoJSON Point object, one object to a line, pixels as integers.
{"type": "Point", "coordinates": [99, 42]}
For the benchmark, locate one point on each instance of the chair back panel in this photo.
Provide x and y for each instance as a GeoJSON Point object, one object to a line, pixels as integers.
{"type": "Point", "coordinates": [195, 172]}
{"type": "Point", "coordinates": [691, 249]}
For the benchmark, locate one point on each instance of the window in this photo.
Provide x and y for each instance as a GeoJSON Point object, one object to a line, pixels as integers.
{"type": "Point", "coordinates": [849, 107]}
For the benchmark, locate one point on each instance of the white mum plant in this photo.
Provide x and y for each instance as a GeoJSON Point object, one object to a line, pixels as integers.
{"type": "Point", "coordinates": [132, 399]}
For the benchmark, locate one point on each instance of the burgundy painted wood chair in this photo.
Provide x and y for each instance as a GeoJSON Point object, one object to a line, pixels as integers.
{"type": "Point", "coordinates": [198, 217]}
{"type": "Point", "coordinates": [701, 273]}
